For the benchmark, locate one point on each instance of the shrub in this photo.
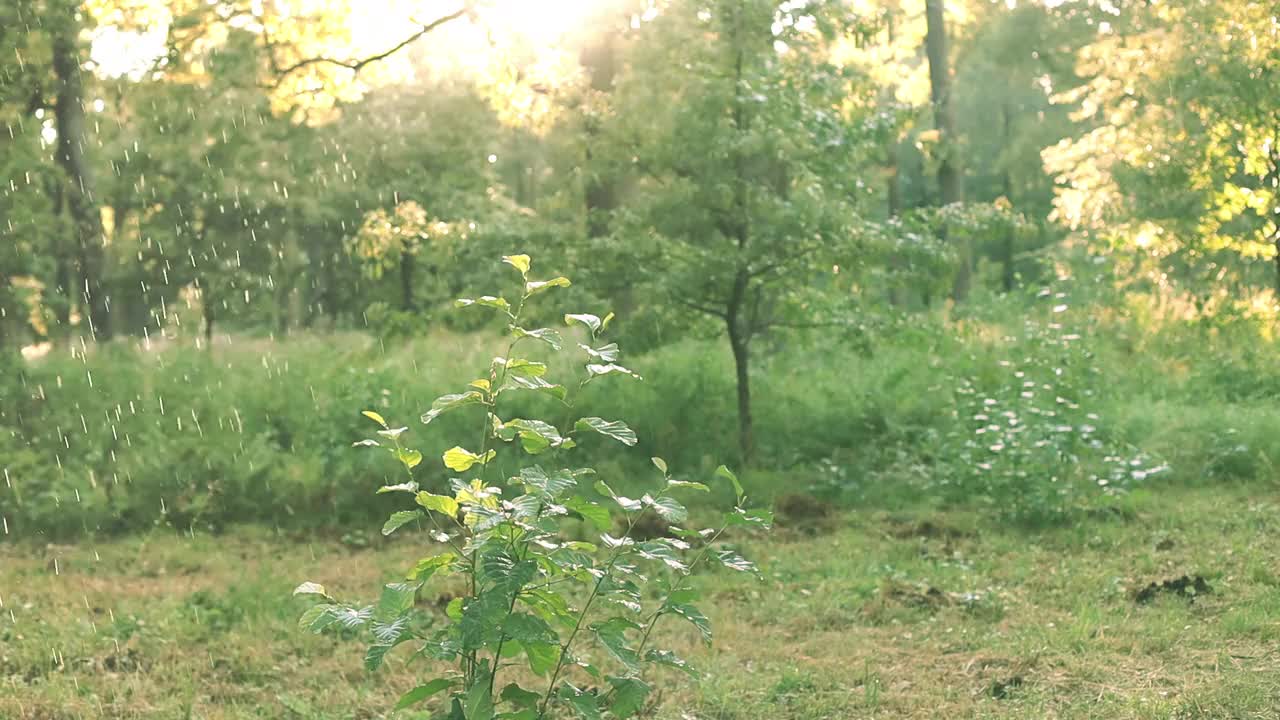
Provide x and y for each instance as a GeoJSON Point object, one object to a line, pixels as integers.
{"type": "Point", "coordinates": [513, 551]}
{"type": "Point", "coordinates": [1028, 440]}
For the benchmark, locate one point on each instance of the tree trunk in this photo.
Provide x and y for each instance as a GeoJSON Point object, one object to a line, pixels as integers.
{"type": "Point", "coordinates": [1275, 241]}
{"type": "Point", "coordinates": [599, 194]}
{"type": "Point", "coordinates": [950, 183]}
{"type": "Point", "coordinates": [69, 116]}
{"type": "Point", "coordinates": [740, 343]}
{"type": "Point", "coordinates": [741, 359]}
{"type": "Point", "coordinates": [407, 262]}
{"type": "Point", "coordinates": [62, 268]}
{"type": "Point", "coordinates": [207, 311]}
{"type": "Point", "coordinates": [1010, 236]}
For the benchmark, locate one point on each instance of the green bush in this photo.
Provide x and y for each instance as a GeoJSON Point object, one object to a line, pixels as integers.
{"type": "Point", "coordinates": [505, 527]}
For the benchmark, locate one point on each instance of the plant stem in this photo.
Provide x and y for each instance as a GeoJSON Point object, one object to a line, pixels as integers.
{"type": "Point", "coordinates": [595, 591]}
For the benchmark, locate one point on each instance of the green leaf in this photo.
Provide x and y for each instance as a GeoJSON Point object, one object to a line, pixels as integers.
{"type": "Point", "coordinates": [392, 433]}
{"type": "Point", "coordinates": [519, 697]}
{"type": "Point", "coordinates": [546, 335]}
{"type": "Point", "coordinates": [422, 692]}
{"type": "Point", "coordinates": [667, 508]}
{"type": "Point", "coordinates": [757, 517]}
{"type": "Point", "coordinates": [374, 656]}
{"type": "Point", "coordinates": [487, 301]}
{"type": "Point", "coordinates": [552, 485]}
{"type": "Point", "coordinates": [310, 588]}
{"type": "Point", "coordinates": [591, 322]}
{"type": "Point", "coordinates": [399, 519]}
{"type": "Point", "coordinates": [480, 700]}
{"type": "Point", "coordinates": [386, 636]}
{"type": "Point", "coordinates": [396, 599]}
{"type": "Point", "coordinates": [661, 550]}
{"type": "Point", "coordinates": [734, 561]}
{"type": "Point", "coordinates": [447, 403]}
{"type": "Point", "coordinates": [519, 262]}
{"type": "Point", "coordinates": [410, 458]}
{"type": "Point", "coordinates": [686, 485]}
{"type": "Point", "coordinates": [536, 436]}
{"type": "Point", "coordinates": [542, 656]}
{"type": "Point", "coordinates": [442, 504]}
{"type": "Point", "coordinates": [612, 635]}
{"type": "Point", "coordinates": [595, 370]}
{"type": "Point", "coordinates": [319, 617]}
{"type": "Point", "coordinates": [521, 367]}
{"type": "Point", "coordinates": [582, 702]}
{"type": "Point", "coordinates": [625, 503]}
{"type": "Point", "coordinates": [534, 287]}
{"type": "Point", "coordinates": [528, 628]}
{"type": "Point", "coordinates": [671, 660]}
{"type": "Point", "coordinates": [374, 417]}
{"type": "Point", "coordinates": [460, 459]}
{"type": "Point", "coordinates": [409, 487]}
{"type": "Point", "coordinates": [535, 383]}
{"type": "Point", "coordinates": [366, 443]}
{"type": "Point", "coordinates": [660, 464]}
{"type": "Point", "coordinates": [616, 429]}
{"type": "Point", "coordinates": [604, 354]}
{"type": "Point", "coordinates": [693, 615]}
{"type": "Point", "coordinates": [591, 512]}
{"type": "Point", "coordinates": [629, 695]}
{"type": "Point", "coordinates": [726, 473]}
{"type": "Point", "coordinates": [453, 610]}
{"type": "Point", "coordinates": [428, 566]}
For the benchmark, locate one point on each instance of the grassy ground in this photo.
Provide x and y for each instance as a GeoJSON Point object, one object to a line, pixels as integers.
{"type": "Point", "coordinates": [878, 614]}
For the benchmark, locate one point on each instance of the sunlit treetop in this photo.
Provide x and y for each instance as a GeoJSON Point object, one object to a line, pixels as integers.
{"type": "Point", "coordinates": [314, 56]}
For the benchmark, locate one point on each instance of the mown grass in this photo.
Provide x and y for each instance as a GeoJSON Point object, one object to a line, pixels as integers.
{"type": "Point", "coordinates": [904, 613]}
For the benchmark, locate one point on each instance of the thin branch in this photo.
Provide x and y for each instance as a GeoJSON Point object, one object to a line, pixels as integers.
{"type": "Point", "coordinates": [356, 66]}
{"type": "Point", "coordinates": [786, 259]}
{"type": "Point", "coordinates": [702, 308]}
{"type": "Point", "coordinates": [805, 324]}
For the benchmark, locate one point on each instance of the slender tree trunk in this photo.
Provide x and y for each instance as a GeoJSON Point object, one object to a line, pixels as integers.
{"type": "Point", "coordinates": [740, 328]}
{"type": "Point", "coordinates": [407, 267]}
{"type": "Point", "coordinates": [891, 147]}
{"type": "Point", "coordinates": [62, 265]}
{"type": "Point", "coordinates": [1008, 276]}
{"type": "Point", "coordinates": [1273, 181]}
{"type": "Point", "coordinates": [72, 138]}
{"type": "Point", "coordinates": [740, 343]}
{"type": "Point", "coordinates": [894, 209]}
{"type": "Point", "coordinates": [209, 314]}
{"type": "Point", "coordinates": [599, 194]}
{"type": "Point", "coordinates": [1275, 242]}
{"type": "Point", "coordinates": [950, 178]}
{"type": "Point", "coordinates": [741, 361]}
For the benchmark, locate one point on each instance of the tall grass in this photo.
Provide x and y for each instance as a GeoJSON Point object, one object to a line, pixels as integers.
{"type": "Point", "coordinates": [123, 438]}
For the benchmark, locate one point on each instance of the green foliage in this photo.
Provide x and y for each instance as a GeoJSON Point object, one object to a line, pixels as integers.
{"type": "Point", "coordinates": [1031, 442]}
{"type": "Point", "coordinates": [533, 595]}
{"type": "Point", "coordinates": [1178, 164]}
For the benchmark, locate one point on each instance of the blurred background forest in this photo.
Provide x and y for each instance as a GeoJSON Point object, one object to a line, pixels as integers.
{"type": "Point", "coordinates": [837, 228]}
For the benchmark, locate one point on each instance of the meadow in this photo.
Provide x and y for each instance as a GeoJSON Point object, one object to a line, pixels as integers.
{"type": "Point", "coordinates": [902, 579]}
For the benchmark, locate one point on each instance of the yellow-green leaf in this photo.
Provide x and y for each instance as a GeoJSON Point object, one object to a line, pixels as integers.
{"type": "Point", "coordinates": [442, 504]}
{"type": "Point", "coordinates": [410, 458]}
{"type": "Point", "coordinates": [536, 286]}
{"type": "Point", "coordinates": [519, 262]}
{"type": "Point", "coordinates": [459, 459]}
{"type": "Point", "coordinates": [374, 417]}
